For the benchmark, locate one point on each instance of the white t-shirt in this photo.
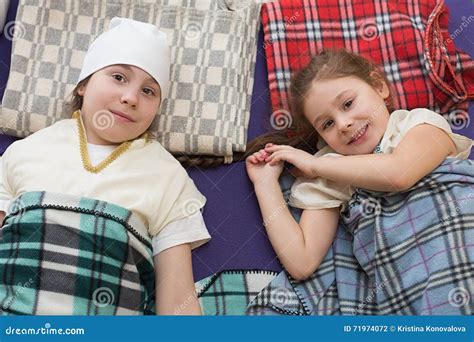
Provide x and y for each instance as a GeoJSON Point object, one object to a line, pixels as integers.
{"type": "Point", "coordinates": [321, 193]}
{"type": "Point", "coordinates": [191, 229]}
{"type": "Point", "coordinates": [158, 189]}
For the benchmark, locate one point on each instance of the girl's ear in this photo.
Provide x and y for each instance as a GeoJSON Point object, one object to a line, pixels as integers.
{"type": "Point", "coordinates": [384, 91]}
{"type": "Point", "coordinates": [81, 89]}
{"type": "Point", "coordinates": [380, 85]}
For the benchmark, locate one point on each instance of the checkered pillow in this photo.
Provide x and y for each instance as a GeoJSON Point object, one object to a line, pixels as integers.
{"type": "Point", "coordinates": [408, 39]}
{"type": "Point", "coordinates": [213, 48]}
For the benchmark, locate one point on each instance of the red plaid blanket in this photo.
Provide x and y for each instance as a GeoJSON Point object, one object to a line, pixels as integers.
{"type": "Point", "coordinates": [408, 39]}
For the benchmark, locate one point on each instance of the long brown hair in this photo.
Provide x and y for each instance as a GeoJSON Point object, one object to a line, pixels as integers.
{"type": "Point", "coordinates": [329, 64]}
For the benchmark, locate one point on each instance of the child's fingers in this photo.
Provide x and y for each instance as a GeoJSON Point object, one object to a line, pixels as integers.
{"type": "Point", "coordinates": [275, 158]}
{"type": "Point", "coordinates": [259, 156]}
{"type": "Point", "coordinates": [272, 156]}
{"type": "Point", "coordinates": [271, 148]}
{"type": "Point", "coordinates": [281, 156]}
{"type": "Point", "coordinates": [275, 148]}
{"type": "Point", "coordinates": [263, 155]}
{"type": "Point", "coordinates": [251, 159]}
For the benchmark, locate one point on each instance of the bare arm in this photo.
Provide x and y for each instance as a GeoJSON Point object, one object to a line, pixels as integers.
{"type": "Point", "coordinates": [175, 291]}
{"type": "Point", "coordinates": [2, 216]}
{"type": "Point", "coordinates": [422, 150]}
{"type": "Point", "coordinates": [300, 247]}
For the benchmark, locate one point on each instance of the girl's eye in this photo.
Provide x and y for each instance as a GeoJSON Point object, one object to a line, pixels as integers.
{"type": "Point", "coordinates": [118, 77]}
{"type": "Point", "coordinates": [347, 104]}
{"type": "Point", "coordinates": [327, 124]}
{"type": "Point", "coordinates": [149, 91]}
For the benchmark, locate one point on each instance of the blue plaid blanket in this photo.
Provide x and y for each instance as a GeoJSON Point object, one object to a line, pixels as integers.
{"type": "Point", "coordinates": [63, 255]}
{"type": "Point", "coordinates": [405, 253]}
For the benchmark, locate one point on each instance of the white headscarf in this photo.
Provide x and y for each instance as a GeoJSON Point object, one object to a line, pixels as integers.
{"type": "Point", "coordinates": [134, 43]}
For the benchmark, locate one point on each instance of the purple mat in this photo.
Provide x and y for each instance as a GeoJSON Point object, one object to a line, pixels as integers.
{"type": "Point", "coordinates": [232, 214]}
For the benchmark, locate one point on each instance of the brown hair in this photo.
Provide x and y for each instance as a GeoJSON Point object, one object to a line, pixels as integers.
{"type": "Point", "coordinates": [76, 99]}
{"type": "Point", "coordinates": [329, 64]}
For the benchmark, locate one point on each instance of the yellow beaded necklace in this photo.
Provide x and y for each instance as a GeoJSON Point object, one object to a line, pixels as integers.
{"type": "Point", "coordinates": [85, 153]}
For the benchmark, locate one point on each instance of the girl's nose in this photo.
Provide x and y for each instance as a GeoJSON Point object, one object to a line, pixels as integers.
{"type": "Point", "coordinates": [345, 124]}
{"type": "Point", "coordinates": [129, 97]}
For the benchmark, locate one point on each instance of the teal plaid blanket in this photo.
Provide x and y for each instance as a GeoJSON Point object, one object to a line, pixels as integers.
{"type": "Point", "coordinates": [63, 255]}
{"type": "Point", "coordinates": [406, 253]}
{"type": "Point", "coordinates": [230, 292]}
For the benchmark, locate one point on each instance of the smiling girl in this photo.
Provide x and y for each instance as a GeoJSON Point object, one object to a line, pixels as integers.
{"type": "Point", "coordinates": [341, 104]}
{"type": "Point", "coordinates": [103, 157]}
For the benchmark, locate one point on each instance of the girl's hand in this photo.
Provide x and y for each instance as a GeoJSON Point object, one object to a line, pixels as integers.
{"type": "Point", "coordinates": [303, 161]}
{"type": "Point", "coordinates": [259, 171]}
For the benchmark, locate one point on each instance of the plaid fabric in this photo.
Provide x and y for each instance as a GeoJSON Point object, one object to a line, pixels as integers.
{"type": "Point", "coordinates": [63, 255]}
{"type": "Point", "coordinates": [408, 253]}
{"type": "Point", "coordinates": [278, 297]}
{"type": "Point", "coordinates": [229, 292]}
{"type": "Point", "coordinates": [409, 40]}
{"type": "Point", "coordinates": [213, 49]}
{"type": "Point", "coordinates": [451, 72]}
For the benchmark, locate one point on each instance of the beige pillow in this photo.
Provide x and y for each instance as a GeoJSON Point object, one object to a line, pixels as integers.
{"type": "Point", "coordinates": [213, 47]}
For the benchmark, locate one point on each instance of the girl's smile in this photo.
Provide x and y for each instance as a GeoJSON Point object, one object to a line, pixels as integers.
{"type": "Point", "coordinates": [122, 116]}
{"type": "Point", "coordinates": [360, 136]}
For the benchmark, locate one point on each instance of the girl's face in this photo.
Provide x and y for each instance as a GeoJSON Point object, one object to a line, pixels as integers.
{"type": "Point", "coordinates": [348, 113]}
{"type": "Point", "coordinates": [119, 104]}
